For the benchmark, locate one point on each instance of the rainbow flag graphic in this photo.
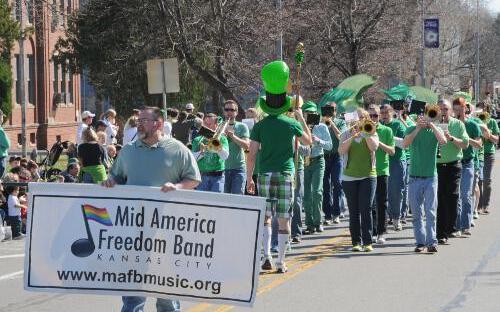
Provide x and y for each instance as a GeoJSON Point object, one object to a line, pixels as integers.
{"type": "Point", "coordinates": [99, 215]}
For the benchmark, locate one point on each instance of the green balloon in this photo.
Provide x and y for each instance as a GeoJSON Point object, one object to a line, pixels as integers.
{"type": "Point", "coordinates": [275, 76]}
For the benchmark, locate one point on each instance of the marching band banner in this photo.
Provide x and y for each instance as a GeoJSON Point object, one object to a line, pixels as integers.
{"type": "Point", "coordinates": [139, 241]}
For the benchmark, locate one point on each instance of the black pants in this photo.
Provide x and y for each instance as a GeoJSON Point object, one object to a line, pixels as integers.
{"type": "Point", "coordinates": [15, 224]}
{"type": "Point", "coordinates": [380, 206]}
{"type": "Point", "coordinates": [360, 195]}
{"type": "Point", "coordinates": [448, 195]}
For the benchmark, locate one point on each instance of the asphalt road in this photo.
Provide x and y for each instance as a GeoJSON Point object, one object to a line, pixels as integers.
{"type": "Point", "coordinates": [325, 276]}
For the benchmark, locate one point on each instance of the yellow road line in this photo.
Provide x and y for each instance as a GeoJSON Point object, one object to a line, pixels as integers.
{"type": "Point", "coordinates": [317, 254]}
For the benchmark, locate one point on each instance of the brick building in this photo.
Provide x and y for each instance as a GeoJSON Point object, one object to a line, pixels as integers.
{"type": "Point", "coordinates": [52, 92]}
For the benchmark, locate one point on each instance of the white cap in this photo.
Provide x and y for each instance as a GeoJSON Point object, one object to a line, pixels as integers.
{"type": "Point", "coordinates": [189, 106]}
{"type": "Point", "coordinates": [87, 114]}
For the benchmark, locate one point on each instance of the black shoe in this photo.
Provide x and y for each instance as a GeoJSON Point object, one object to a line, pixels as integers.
{"type": "Point", "coordinates": [442, 241]}
{"type": "Point", "coordinates": [267, 265]}
{"type": "Point", "coordinates": [403, 221]}
{"type": "Point", "coordinates": [308, 231]}
{"type": "Point", "coordinates": [390, 222]}
{"type": "Point", "coordinates": [432, 249]}
{"type": "Point", "coordinates": [296, 240]}
{"type": "Point", "coordinates": [419, 248]}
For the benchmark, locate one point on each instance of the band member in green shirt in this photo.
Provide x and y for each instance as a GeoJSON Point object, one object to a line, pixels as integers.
{"type": "Point", "coordinates": [385, 149]}
{"type": "Point", "coordinates": [359, 181]}
{"type": "Point", "coordinates": [449, 168]}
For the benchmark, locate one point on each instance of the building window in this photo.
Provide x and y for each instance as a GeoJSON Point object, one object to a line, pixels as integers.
{"type": "Point", "coordinates": [55, 16]}
{"type": "Point", "coordinates": [18, 81]}
{"type": "Point", "coordinates": [32, 137]}
{"type": "Point", "coordinates": [63, 81]}
{"type": "Point", "coordinates": [62, 12]}
{"type": "Point", "coordinates": [19, 139]}
{"type": "Point", "coordinates": [31, 79]}
{"type": "Point", "coordinates": [17, 9]}
{"type": "Point", "coordinates": [29, 9]}
{"type": "Point", "coordinates": [55, 67]}
{"type": "Point", "coordinates": [70, 85]}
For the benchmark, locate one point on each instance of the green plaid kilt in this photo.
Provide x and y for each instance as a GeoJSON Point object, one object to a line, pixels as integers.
{"type": "Point", "coordinates": [277, 187]}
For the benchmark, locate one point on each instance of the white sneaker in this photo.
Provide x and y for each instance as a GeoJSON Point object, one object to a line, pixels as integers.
{"type": "Point", "coordinates": [381, 240]}
{"type": "Point", "coordinates": [476, 215]}
{"type": "Point", "coordinates": [456, 234]}
{"type": "Point", "coordinates": [336, 220]}
{"type": "Point", "coordinates": [397, 225]}
{"type": "Point", "coordinates": [18, 237]}
{"type": "Point", "coordinates": [281, 267]}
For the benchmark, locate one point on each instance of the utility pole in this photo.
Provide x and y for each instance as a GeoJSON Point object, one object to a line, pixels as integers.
{"type": "Point", "coordinates": [279, 42]}
{"type": "Point", "coordinates": [422, 50]}
{"type": "Point", "coordinates": [477, 84]}
{"type": "Point", "coordinates": [21, 79]}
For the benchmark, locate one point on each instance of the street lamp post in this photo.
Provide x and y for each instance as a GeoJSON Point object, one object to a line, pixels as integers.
{"type": "Point", "coordinates": [21, 90]}
{"type": "Point", "coordinates": [477, 84]}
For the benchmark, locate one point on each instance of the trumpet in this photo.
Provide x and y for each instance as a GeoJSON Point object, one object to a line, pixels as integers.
{"type": "Point", "coordinates": [214, 144]}
{"type": "Point", "coordinates": [367, 126]}
{"type": "Point", "coordinates": [432, 112]}
{"type": "Point", "coordinates": [484, 116]}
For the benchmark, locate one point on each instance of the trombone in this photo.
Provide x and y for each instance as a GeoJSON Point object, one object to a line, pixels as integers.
{"type": "Point", "coordinates": [214, 144]}
{"type": "Point", "coordinates": [484, 116]}
{"type": "Point", "coordinates": [432, 112]}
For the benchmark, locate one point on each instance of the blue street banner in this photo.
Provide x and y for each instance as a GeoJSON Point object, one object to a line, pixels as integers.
{"type": "Point", "coordinates": [431, 33]}
{"type": "Point", "coordinates": [139, 241]}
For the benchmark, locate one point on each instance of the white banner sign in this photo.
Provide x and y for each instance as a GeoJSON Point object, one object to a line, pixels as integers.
{"type": "Point", "coordinates": [138, 241]}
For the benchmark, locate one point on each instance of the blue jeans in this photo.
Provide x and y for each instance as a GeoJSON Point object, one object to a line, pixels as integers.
{"type": "Point", "coordinates": [397, 168]}
{"type": "Point", "coordinates": [360, 195]}
{"type": "Point", "coordinates": [3, 165]}
{"type": "Point", "coordinates": [235, 181]}
{"type": "Point", "coordinates": [332, 186]}
{"type": "Point", "coordinates": [404, 205]}
{"type": "Point", "coordinates": [136, 304]}
{"type": "Point", "coordinates": [422, 196]}
{"type": "Point", "coordinates": [210, 183]}
{"type": "Point", "coordinates": [465, 207]}
{"type": "Point", "coordinates": [297, 204]}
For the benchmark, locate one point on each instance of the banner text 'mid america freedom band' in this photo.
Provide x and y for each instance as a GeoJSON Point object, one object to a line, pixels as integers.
{"type": "Point", "coordinates": [139, 241]}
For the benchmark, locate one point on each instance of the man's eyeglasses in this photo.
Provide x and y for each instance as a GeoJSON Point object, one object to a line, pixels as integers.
{"type": "Point", "coordinates": [145, 120]}
{"type": "Point", "coordinates": [229, 110]}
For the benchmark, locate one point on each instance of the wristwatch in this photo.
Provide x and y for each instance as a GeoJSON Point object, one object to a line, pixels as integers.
{"type": "Point", "coordinates": [452, 139]}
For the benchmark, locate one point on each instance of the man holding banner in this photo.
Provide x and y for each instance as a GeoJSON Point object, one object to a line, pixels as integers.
{"type": "Point", "coordinates": [154, 160]}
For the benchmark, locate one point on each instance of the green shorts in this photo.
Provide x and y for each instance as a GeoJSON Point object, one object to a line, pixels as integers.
{"type": "Point", "coordinates": [277, 187]}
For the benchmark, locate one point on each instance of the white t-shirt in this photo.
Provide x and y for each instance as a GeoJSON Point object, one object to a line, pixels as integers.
{"type": "Point", "coordinates": [129, 135]}
{"type": "Point", "coordinates": [12, 202]}
{"type": "Point", "coordinates": [79, 133]}
{"type": "Point", "coordinates": [167, 128]}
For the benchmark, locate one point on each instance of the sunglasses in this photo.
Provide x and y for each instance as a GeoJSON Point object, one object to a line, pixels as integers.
{"type": "Point", "coordinates": [229, 110]}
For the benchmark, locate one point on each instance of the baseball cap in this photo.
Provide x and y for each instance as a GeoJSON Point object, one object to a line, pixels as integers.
{"type": "Point", "coordinates": [189, 106]}
{"type": "Point", "coordinates": [87, 114]}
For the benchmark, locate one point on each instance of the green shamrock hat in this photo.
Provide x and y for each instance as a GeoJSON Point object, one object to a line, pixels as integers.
{"type": "Point", "coordinates": [275, 77]}
{"type": "Point", "coordinates": [310, 107]}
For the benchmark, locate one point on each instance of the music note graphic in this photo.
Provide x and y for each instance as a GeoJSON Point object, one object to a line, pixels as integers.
{"type": "Point", "coordinates": [84, 247]}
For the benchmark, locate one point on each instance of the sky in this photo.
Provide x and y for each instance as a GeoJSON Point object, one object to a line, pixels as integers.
{"type": "Point", "coordinates": [494, 5]}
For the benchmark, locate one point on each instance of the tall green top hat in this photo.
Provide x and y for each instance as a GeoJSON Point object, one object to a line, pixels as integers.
{"type": "Point", "coordinates": [275, 77]}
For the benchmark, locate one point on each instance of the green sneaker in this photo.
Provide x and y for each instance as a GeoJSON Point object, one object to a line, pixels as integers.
{"type": "Point", "coordinates": [356, 248]}
{"type": "Point", "coordinates": [368, 248]}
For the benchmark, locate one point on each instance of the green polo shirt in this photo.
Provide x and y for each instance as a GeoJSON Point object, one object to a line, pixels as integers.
{"type": "Point", "coordinates": [209, 161]}
{"type": "Point", "coordinates": [474, 132]}
{"type": "Point", "coordinates": [410, 123]}
{"type": "Point", "coordinates": [167, 161]}
{"type": "Point", "coordinates": [449, 151]}
{"type": "Point", "coordinates": [423, 151]}
{"type": "Point", "coordinates": [489, 147]}
{"type": "Point", "coordinates": [276, 137]}
{"type": "Point", "coordinates": [385, 136]}
{"type": "Point", "coordinates": [398, 131]}
{"type": "Point", "coordinates": [4, 143]}
{"type": "Point", "coordinates": [236, 159]}
{"type": "Point", "coordinates": [340, 124]}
